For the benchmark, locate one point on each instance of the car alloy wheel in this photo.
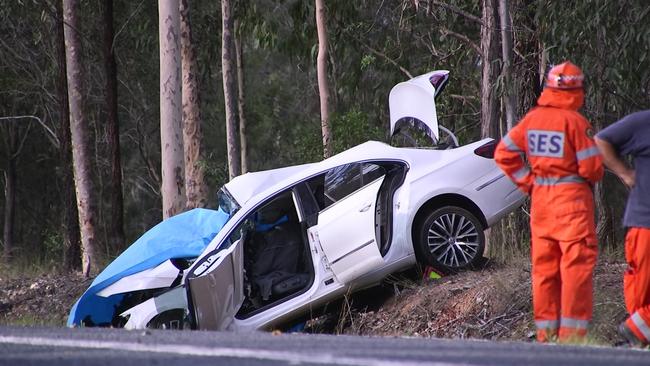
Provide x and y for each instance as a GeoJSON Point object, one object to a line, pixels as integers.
{"type": "Point", "coordinates": [451, 238]}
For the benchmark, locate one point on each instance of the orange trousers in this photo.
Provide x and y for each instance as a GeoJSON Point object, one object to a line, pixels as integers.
{"type": "Point", "coordinates": [564, 252]}
{"type": "Point", "coordinates": [636, 282]}
{"type": "Point", "coordinates": [562, 288]}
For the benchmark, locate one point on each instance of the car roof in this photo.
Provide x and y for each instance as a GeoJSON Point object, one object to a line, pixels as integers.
{"type": "Point", "coordinates": [414, 98]}
{"type": "Point", "coordinates": [247, 186]}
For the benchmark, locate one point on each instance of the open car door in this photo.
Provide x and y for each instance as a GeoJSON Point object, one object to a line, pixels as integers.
{"type": "Point", "coordinates": [346, 231]}
{"type": "Point", "coordinates": [216, 287]}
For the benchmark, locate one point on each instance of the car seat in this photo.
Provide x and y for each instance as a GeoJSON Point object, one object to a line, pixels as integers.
{"type": "Point", "coordinates": [277, 243]}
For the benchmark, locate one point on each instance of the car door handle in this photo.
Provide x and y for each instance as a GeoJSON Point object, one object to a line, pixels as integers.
{"type": "Point", "coordinates": [365, 208]}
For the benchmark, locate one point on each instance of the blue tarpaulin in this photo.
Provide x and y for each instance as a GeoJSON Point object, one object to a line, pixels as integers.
{"type": "Point", "coordinates": [182, 236]}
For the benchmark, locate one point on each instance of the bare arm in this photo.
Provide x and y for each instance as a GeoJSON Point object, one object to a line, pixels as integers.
{"type": "Point", "coordinates": [613, 161]}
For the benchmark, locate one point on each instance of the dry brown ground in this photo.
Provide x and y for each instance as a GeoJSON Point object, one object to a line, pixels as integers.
{"type": "Point", "coordinates": [493, 303]}
{"type": "Point", "coordinates": [39, 300]}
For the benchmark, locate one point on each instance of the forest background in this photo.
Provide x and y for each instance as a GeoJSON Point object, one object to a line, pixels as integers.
{"type": "Point", "coordinates": [269, 114]}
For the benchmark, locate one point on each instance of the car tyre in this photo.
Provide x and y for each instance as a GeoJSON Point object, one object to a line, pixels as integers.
{"type": "Point", "coordinates": [170, 319]}
{"type": "Point", "coordinates": [450, 239]}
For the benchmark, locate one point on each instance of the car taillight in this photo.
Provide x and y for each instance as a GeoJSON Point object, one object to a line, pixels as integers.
{"type": "Point", "coordinates": [487, 150]}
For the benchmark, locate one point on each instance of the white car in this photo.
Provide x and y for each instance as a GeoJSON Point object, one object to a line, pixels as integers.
{"type": "Point", "coordinates": [296, 238]}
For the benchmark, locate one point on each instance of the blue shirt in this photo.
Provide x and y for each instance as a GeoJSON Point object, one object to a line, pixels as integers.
{"type": "Point", "coordinates": [631, 136]}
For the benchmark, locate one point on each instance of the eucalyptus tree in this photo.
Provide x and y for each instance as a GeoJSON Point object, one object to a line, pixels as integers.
{"type": "Point", "coordinates": [506, 67]}
{"type": "Point", "coordinates": [323, 85]}
{"type": "Point", "coordinates": [33, 84]}
{"type": "Point", "coordinates": [468, 45]}
{"type": "Point", "coordinates": [171, 131]}
{"type": "Point", "coordinates": [116, 217]}
{"type": "Point", "coordinates": [227, 70]}
{"type": "Point", "coordinates": [69, 216]}
{"type": "Point", "coordinates": [490, 70]}
{"type": "Point", "coordinates": [86, 195]}
{"type": "Point", "coordinates": [195, 186]}
{"type": "Point", "coordinates": [10, 143]}
{"type": "Point", "coordinates": [241, 97]}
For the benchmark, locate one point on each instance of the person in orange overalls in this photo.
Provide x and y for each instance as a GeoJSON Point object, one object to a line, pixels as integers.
{"type": "Point", "coordinates": [551, 155]}
{"type": "Point", "coordinates": [631, 137]}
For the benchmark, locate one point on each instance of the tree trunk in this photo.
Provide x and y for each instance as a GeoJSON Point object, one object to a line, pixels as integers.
{"type": "Point", "coordinates": [229, 88]}
{"type": "Point", "coordinates": [489, 108]}
{"type": "Point", "coordinates": [241, 100]}
{"type": "Point", "coordinates": [79, 133]}
{"type": "Point", "coordinates": [116, 231]}
{"type": "Point", "coordinates": [604, 222]}
{"type": "Point", "coordinates": [195, 187]}
{"type": "Point", "coordinates": [543, 63]}
{"type": "Point", "coordinates": [171, 129]}
{"type": "Point", "coordinates": [489, 116]}
{"type": "Point", "coordinates": [323, 87]}
{"type": "Point", "coordinates": [526, 73]}
{"type": "Point", "coordinates": [69, 217]}
{"type": "Point", "coordinates": [506, 71]}
{"type": "Point", "coordinates": [11, 143]}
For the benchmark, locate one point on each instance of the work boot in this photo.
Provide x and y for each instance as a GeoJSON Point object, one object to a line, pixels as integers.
{"type": "Point", "coordinates": [629, 336]}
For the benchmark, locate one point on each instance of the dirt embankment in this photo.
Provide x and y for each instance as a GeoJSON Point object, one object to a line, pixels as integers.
{"type": "Point", "coordinates": [493, 303]}
{"type": "Point", "coordinates": [41, 300]}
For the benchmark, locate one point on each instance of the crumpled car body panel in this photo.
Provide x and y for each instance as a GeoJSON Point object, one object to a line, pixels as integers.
{"type": "Point", "coordinates": [182, 236]}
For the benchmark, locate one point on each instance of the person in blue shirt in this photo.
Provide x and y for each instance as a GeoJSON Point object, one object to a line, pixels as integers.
{"type": "Point", "coordinates": [630, 136]}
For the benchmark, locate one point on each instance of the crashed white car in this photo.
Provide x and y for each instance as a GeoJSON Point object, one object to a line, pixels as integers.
{"type": "Point", "coordinates": [299, 237]}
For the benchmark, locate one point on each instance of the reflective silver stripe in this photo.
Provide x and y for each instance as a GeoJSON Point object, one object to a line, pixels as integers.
{"type": "Point", "coordinates": [546, 324]}
{"type": "Point", "coordinates": [574, 323]}
{"type": "Point", "coordinates": [641, 324]}
{"type": "Point", "coordinates": [521, 173]}
{"type": "Point", "coordinates": [510, 145]}
{"type": "Point", "coordinates": [587, 153]}
{"type": "Point", "coordinates": [557, 77]}
{"type": "Point", "coordinates": [551, 181]}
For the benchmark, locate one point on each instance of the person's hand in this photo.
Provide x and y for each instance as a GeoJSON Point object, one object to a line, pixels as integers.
{"type": "Point", "coordinates": [628, 177]}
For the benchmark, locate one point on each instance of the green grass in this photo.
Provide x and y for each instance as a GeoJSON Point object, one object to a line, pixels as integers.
{"type": "Point", "coordinates": [22, 267]}
{"type": "Point", "coordinates": [33, 321]}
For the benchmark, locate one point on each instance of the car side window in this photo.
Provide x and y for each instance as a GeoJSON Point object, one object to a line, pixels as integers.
{"type": "Point", "coordinates": [341, 181]}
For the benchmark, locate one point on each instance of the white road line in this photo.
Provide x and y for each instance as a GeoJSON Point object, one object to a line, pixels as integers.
{"type": "Point", "coordinates": [294, 358]}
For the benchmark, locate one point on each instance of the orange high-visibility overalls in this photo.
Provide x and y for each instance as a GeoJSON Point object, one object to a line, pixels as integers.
{"type": "Point", "coordinates": [563, 163]}
{"type": "Point", "coordinates": [636, 282]}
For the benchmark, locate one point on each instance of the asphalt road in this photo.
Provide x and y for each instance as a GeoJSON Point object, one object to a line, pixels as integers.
{"type": "Point", "coordinates": [60, 346]}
